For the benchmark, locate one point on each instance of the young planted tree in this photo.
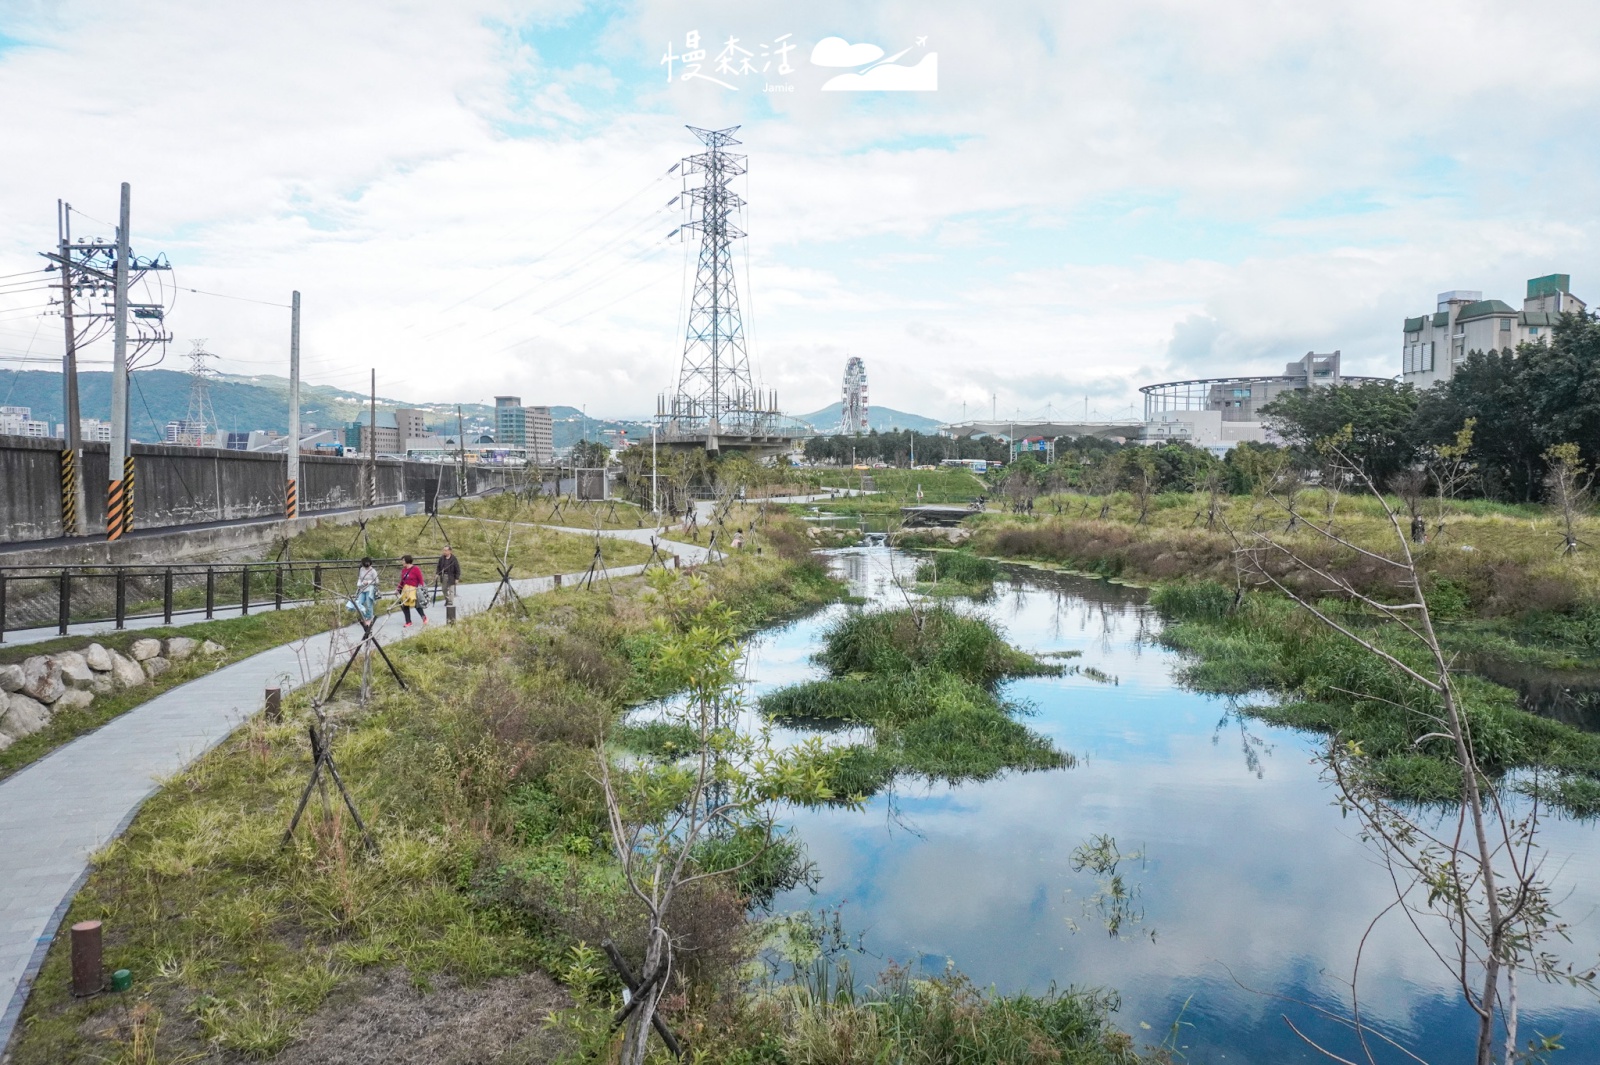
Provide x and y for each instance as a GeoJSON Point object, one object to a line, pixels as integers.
{"type": "Point", "coordinates": [662, 816]}
{"type": "Point", "coordinates": [1211, 481]}
{"type": "Point", "coordinates": [1450, 470]}
{"type": "Point", "coordinates": [1411, 486]}
{"type": "Point", "coordinates": [1471, 887]}
{"type": "Point", "coordinates": [1567, 490]}
{"type": "Point", "coordinates": [1142, 481]}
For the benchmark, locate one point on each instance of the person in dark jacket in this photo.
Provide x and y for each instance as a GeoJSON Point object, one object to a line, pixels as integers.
{"type": "Point", "coordinates": [448, 574]}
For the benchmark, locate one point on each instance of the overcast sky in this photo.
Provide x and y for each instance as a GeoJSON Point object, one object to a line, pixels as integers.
{"type": "Point", "coordinates": [473, 196]}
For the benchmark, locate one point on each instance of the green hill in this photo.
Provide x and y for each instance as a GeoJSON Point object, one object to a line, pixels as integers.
{"type": "Point", "coordinates": [826, 420]}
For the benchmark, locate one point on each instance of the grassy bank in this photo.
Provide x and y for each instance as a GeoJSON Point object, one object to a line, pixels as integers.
{"type": "Point", "coordinates": [924, 681]}
{"type": "Point", "coordinates": [1494, 587]}
{"type": "Point", "coordinates": [492, 868]}
{"type": "Point", "coordinates": [1331, 685]}
{"type": "Point", "coordinates": [477, 541]}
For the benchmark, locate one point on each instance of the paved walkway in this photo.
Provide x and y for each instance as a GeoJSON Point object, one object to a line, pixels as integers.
{"type": "Point", "coordinates": [61, 809]}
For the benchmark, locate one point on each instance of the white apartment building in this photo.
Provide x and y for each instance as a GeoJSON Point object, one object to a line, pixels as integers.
{"type": "Point", "coordinates": [1464, 322]}
{"type": "Point", "coordinates": [19, 421]}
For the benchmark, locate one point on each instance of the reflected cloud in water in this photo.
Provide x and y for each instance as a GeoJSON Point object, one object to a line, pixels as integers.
{"type": "Point", "coordinates": [1249, 872]}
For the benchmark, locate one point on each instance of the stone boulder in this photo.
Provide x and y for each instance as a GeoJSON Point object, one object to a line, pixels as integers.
{"type": "Point", "coordinates": [98, 657]}
{"type": "Point", "coordinates": [126, 671]}
{"type": "Point", "coordinates": [209, 648]}
{"type": "Point", "coordinates": [103, 684]}
{"type": "Point", "coordinates": [72, 699]}
{"type": "Point", "coordinates": [5, 741]}
{"type": "Point", "coordinates": [23, 716]}
{"type": "Point", "coordinates": [145, 649]}
{"type": "Point", "coordinates": [75, 671]}
{"type": "Point", "coordinates": [10, 678]}
{"type": "Point", "coordinates": [41, 679]}
{"type": "Point", "coordinates": [180, 647]}
{"type": "Point", "coordinates": [156, 666]}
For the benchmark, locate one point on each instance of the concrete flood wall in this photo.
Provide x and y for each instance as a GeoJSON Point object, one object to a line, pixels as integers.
{"type": "Point", "coordinates": [181, 486]}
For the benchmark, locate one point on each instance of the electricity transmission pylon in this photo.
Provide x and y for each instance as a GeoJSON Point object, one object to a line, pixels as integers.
{"type": "Point", "coordinates": [715, 393]}
{"type": "Point", "coordinates": [201, 415]}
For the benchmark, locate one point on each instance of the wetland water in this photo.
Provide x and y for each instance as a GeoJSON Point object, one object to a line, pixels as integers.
{"type": "Point", "coordinates": [1248, 870]}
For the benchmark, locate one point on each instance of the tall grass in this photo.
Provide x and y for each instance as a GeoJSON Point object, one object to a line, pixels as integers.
{"type": "Point", "coordinates": [924, 680]}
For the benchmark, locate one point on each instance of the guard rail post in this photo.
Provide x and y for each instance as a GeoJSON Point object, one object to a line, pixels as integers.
{"type": "Point", "coordinates": [211, 592]}
{"type": "Point", "coordinates": [244, 591]}
{"type": "Point", "coordinates": [122, 598]}
{"type": "Point", "coordinates": [166, 597]}
{"type": "Point", "coordinates": [64, 601]}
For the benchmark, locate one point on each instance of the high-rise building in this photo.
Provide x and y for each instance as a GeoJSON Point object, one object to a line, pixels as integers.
{"type": "Point", "coordinates": [410, 423]}
{"type": "Point", "coordinates": [538, 430]}
{"type": "Point", "coordinates": [1464, 322]}
{"type": "Point", "coordinates": [358, 434]}
{"type": "Point", "coordinates": [510, 421]}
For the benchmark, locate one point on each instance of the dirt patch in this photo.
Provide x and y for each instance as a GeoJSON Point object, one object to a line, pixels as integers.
{"type": "Point", "coordinates": [390, 1022]}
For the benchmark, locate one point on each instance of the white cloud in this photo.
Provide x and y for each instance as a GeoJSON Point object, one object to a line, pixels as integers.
{"type": "Point", "coordinates": [1085, 182]}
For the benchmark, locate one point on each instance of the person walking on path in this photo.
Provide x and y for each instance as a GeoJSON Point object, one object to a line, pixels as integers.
{"type": "Point", "coordinates": [410, 590]}
{"type": "Point", "coordinates": [448, 575]}
{"type": "Point", "coordinates": [366, 589]}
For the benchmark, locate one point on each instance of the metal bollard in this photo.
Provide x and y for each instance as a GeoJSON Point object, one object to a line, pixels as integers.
{"type": "Point", "coordinates": [557, 580]}
{"type": "Point", "coordinates": [449, 613]}
{"type": "Point", "coordinates": [87, 975]}
{"type": "Point", "coordinates": [274, 705]}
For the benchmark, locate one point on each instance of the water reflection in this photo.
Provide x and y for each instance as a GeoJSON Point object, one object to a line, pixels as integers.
{"type": "Point", "coordinates": [1256, 885]}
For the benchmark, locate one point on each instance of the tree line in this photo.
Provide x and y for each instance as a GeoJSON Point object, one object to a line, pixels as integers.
{"type": "Point", "coordinates": [1519, 408]}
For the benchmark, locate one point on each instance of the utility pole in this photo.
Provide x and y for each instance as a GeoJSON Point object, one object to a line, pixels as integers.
{"type": "Point", "coordinates": [291, 508]}
{"type": "Point", "coordinates": [461, 454]}
{"type": "Point", "coordinates": [119, 493]}
{"type": "Point", "coordinates": [74, 498]}
{"type": "Point", "coordinates": [372, 444]}
{"type": "Point", "coordinates": [655, 505]}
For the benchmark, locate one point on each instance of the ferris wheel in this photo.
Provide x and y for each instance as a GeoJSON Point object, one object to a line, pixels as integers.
{"type": "Point", "coordinates": [853, 408]}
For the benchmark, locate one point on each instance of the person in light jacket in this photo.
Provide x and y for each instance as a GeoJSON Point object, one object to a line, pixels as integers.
{"type": "Point", "coordinates": [367, 589]}
{"type": "Point", "coordinates": [410, 590]}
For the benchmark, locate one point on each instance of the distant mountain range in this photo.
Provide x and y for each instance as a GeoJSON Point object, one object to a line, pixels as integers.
{"type": "Point", "coordinates": [882, 419]}
{"type": "Point", "coordinates": [262, 402]}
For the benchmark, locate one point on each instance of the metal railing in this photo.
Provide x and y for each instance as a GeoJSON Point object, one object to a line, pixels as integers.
{"type": "Point", "coordinates": [39, 596]}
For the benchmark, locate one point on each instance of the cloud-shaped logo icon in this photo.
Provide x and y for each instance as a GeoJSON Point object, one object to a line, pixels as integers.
{"type": "Point", "coordinates": [875, 74]}
{"type": "Point", "coordinates": [838, 52]}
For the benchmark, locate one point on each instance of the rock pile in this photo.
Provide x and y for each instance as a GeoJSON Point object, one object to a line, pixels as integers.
{"type": "Point", "coordinates": [46, 685]}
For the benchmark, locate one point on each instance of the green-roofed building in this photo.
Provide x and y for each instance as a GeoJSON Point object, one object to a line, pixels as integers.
{"type": "Point", "coordinates": [1464, 322]}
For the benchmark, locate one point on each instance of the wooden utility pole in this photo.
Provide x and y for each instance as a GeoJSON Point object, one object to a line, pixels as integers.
{"type": "Point", "coordinates": [119, 493]}
{"type": "Point", "coordinates": [74, 497]}
{"type": "Point", "coordinates": [291, 508]}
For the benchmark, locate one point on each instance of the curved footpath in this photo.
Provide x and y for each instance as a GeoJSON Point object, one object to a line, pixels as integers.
{"type": "Point", "coordinates": [58, 811]}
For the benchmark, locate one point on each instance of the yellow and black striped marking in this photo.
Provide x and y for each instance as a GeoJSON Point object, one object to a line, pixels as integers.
{"type": "Point", "coordinates": [115, 511]}
{"type": "Point", "coordinates": [69, 492]}
{"type": "Point", "coordinates": [291, 506]}
{"type": "Point", "coordinates": [127, 494]}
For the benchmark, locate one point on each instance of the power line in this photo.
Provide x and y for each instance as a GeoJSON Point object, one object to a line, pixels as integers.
{"type": "Point", "coordinates": [242, 299]}
{"type": "Point", "coordinates": [557, 247]}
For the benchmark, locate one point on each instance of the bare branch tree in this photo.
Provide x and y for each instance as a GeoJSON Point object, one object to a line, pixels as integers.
{"type": "Point", "coordinates": [1481, 878]}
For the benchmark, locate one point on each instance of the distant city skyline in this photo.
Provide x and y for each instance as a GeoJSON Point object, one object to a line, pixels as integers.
{"type": "Point", "coordinates": [1070, 202]}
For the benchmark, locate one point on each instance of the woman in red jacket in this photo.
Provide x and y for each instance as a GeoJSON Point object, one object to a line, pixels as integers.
{"type": "Point", "coordinates": [410, 590]}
